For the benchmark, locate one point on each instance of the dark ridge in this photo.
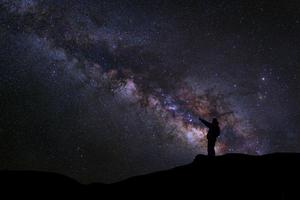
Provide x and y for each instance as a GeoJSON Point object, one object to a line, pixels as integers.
{"type": "Point", "coordinates": [235, 176]}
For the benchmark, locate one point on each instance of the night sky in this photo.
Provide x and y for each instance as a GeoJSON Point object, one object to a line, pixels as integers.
{"type": "Point", "coordinates": [101, 90]}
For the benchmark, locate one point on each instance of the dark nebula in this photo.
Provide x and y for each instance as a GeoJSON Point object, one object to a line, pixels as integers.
{"type": "Point", "coordinates": [103, 90]}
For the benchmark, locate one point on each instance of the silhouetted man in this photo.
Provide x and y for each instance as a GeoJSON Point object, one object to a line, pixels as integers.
{"type": "Point", "coordinates": [213, 133]}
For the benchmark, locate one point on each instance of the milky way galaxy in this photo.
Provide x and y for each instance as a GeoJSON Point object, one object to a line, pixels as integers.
{"type": "Point", "coordinates": [103, 90]}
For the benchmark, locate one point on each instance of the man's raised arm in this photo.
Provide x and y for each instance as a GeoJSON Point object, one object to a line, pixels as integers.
{"type": "Point", "coordinates": [206, 123]}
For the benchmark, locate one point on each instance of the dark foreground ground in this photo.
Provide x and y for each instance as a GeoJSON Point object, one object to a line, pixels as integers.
{"type": "Point", "coordinates": [232, 176]}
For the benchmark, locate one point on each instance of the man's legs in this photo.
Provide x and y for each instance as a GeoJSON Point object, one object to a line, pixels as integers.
{"type": "Point", "coordinates": [211, 147]}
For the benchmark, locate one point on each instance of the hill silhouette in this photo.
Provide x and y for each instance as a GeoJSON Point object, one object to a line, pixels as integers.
{"type": "Point", "coordinates": [235, 176]}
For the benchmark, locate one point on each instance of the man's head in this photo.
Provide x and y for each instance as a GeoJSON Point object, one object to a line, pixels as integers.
{"type": "Point", "coordinates": [215, 121]}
